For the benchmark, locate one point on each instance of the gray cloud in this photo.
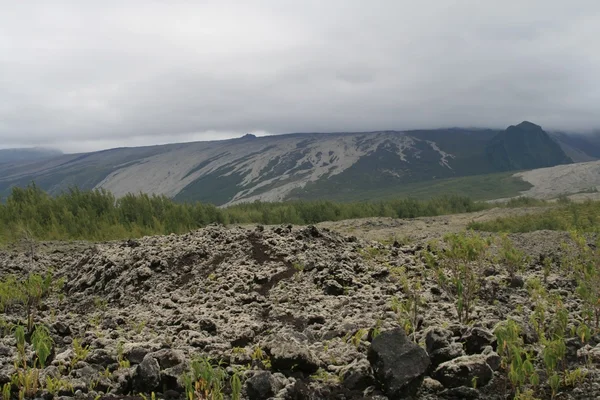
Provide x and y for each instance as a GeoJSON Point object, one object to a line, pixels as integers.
{"type": "Point", "coordinates": [90, 75]}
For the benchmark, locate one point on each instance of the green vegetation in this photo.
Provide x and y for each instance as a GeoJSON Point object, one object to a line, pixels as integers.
{"type": "Point", "coordinates": [477, 187]}
{"type": "Point", "coordinates": [584, 217]}
{"type": "Point", "coordinates": [207, 380]}
{"type": "Point", "coordinates": [97, 215]}
{"type": "Point", "coordinates": [459, 272]}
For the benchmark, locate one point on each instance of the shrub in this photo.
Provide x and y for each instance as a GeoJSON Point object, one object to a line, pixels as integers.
{"type": "Point", "coordinates": [459, 270]}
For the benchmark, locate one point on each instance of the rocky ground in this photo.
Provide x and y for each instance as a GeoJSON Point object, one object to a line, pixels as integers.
{"type": "Point", "coordinates": [299, 312]}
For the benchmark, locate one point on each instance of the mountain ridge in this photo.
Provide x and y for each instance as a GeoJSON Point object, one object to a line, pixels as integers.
{"type": "Point", "coordinates": [280, 167]}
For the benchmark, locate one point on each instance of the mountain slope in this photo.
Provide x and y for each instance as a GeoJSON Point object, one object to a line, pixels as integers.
{"type": "Point", "coordinates": [525, 146]}
{"type": "Point", "coordinates": [27, 154]}
{"type": "Point", "coordinates": [300, 166]}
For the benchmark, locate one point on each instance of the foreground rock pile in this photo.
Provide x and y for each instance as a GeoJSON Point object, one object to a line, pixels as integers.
{"type": "Point", "coordinates": [299, 313]}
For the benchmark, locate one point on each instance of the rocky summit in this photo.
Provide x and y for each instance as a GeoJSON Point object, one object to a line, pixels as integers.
{"type": "Point", "coordinates": [276, 313]}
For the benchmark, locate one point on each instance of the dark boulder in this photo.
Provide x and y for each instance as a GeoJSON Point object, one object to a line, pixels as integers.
{"type": "Point", "coordinates": [399, 365]}
{"type": "Point", "coordinates": [477, 339]}
{"type": "Point", "coordinates": [262, 386]}
{"type": "Point", "coordinates": [147, 375]}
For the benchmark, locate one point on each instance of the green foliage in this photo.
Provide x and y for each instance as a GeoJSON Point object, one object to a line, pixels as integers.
{"type": "Point", "coordinates": [205, 381]}
{"type": "Point", "coordinates": [408, 308]}
{"type": "Point", "coordinates": [583, 217]}
{"type": "Point", "coordinates": [54, 385]}
{"type": "Point", "coordinates": [81, 352]}
{"type": "Point", "coordinates": [517, 362]}
{"type": "Point", "coordinates": [123, 362]}
{"type": "Point", "coordinates": [512, 258]}
{"type": "Point", "coordinates": [458, 273]}
{"type": "Point", "coordinates": [42, 344]}
{"type": "Point", "coordinates": [6, 391]}
{"type": "Point", "coordinates": [98, 215]}
{"type": "Point", "coordinates": [29, 292]}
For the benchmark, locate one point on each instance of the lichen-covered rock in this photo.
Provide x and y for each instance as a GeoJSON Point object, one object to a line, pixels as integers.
{"type": "Point", "coordinates": [464, 371]}
{"type": "Point", "coordinates": [398, 364]}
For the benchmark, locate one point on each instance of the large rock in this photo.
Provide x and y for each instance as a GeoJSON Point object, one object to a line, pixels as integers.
{"type": "Point", "coordinates": [289, 355]}
{"type": "Point", "coordinates": [477, 339]}
{"type": "Point", "coordinates": [262, 386]}
{"type": "Point", "coordinates": [444, 354]}
{"type": "Point", "coordinates": [398, 364]}
{"type": "Point", "coordinates": [357, 375]}
{"type": "Point", "coordinates": [464, 371]}
{"type": "Point", "coordinates": [147, 375]}
{"type": "Point", "coordinates": [437, 338]}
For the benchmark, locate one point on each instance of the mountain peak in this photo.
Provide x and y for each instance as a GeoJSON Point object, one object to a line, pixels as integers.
{"type": "Point", "coordinates": [525, 146]}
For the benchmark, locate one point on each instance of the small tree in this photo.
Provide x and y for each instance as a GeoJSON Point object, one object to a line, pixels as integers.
{"type": "Point", "coordinates": [459, 269]}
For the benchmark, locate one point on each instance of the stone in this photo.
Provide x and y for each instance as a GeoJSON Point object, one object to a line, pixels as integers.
{"type": "Point", "coordinates": [464, 371]}
{"type": "Point", "coordinates": [147, 375]}
{"type": "Point", "coordinates": [492, 358]}
{"type": "Point", "coordinates": [333, 288]}
{"type": "Point", "coordinates": [357, 375]}
{"type": "Point", "coordinates": [167, 358]}
{"type": "Point", "coordinates": [476, 339]}
{"type": "Point", "coordinates": [262, 386]}
{"type": "Point", "coordinates": [460, 393]}
{"type": "Point", "coordinates": [293, 357]}
{"type": "Point", "coordinates": [437, 338]}
{"type": "Point", "coordinates": [444, 354]}
{"type": "Point", "coordinates": [399, 365]}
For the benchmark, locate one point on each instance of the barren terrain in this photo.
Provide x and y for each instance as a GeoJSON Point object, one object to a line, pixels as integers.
{"type": "Point", "coordinates": [295, 312]}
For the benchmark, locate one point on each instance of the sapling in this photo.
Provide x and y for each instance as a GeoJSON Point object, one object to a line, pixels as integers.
{"type": "Point", "coordinates": [459, 270]}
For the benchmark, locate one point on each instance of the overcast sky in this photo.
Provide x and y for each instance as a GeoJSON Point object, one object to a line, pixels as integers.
{"type": "Point", "coordinates": [85, 75]}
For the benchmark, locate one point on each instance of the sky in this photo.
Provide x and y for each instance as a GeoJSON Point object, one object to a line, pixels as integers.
{"type": "Point", "coordinates": [89, 75]}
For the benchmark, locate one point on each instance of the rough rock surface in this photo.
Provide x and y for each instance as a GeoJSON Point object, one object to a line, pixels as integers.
{"type": "Point", "coordinates": [399, 364]}
{"type": "Point", "coordinates": [295, 309]}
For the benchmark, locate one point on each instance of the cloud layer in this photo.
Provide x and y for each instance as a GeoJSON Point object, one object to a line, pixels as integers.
{"type": "Point", "coordinates": [90, 75]}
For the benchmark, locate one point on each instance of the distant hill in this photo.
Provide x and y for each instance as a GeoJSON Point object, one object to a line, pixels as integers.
{"type": "Point", "coordinates": [525, 146]}
{"type": "Point", "coordinates": [27, 154]}
{"type": "Point", "coordinates": [363, 165]}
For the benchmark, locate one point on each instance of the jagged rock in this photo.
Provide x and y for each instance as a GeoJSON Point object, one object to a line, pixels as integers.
{"type": "Point", "coordinates": [208, 326]}
{"type": "Point", "coordinates": [463, 371]}
{"type": "Point", "coordinates": [333, 288]}
{"type": "Point", "coordinates": [288, 355]}
{"type": "Point", "coordinates": [147, 375]}
{"type": "Point", "coordinates": [135, 354]}
{"type": "Point", "coordinates": [167, 358]}
{"type": "Point", "coordinates": [476, 339]}
{"type": "Point", "coordinates": [101, 357]}
{"type": "Point", "coordinates": [357, 375]}
{"type": "Point", "coordinates": [492, 358]}
{"type": "Point", "coordinates": [437, 338]}
{"type": "Point", "coordinates": [123, 380]}
{"type": "Point", "coordinates": [262, 386]}
{"type": "Point", "coordinates": [572, 347]}
{"type": "Point", "coordinates": [460, 393]}
{"type": "Point", "coordinates": [444, 354]}
{"type": "Point", "coordinates": [431, 385]}
{"type": "Point", "coordinates": [517, 282]}
{"type": "Point", "coordinates": [398, 364]}
{"type": "Point", "coordinates": [61, 328]}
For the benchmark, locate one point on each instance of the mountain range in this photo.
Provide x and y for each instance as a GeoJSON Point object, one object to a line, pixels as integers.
{"type": "Point", "coordinates": [299, 165]}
